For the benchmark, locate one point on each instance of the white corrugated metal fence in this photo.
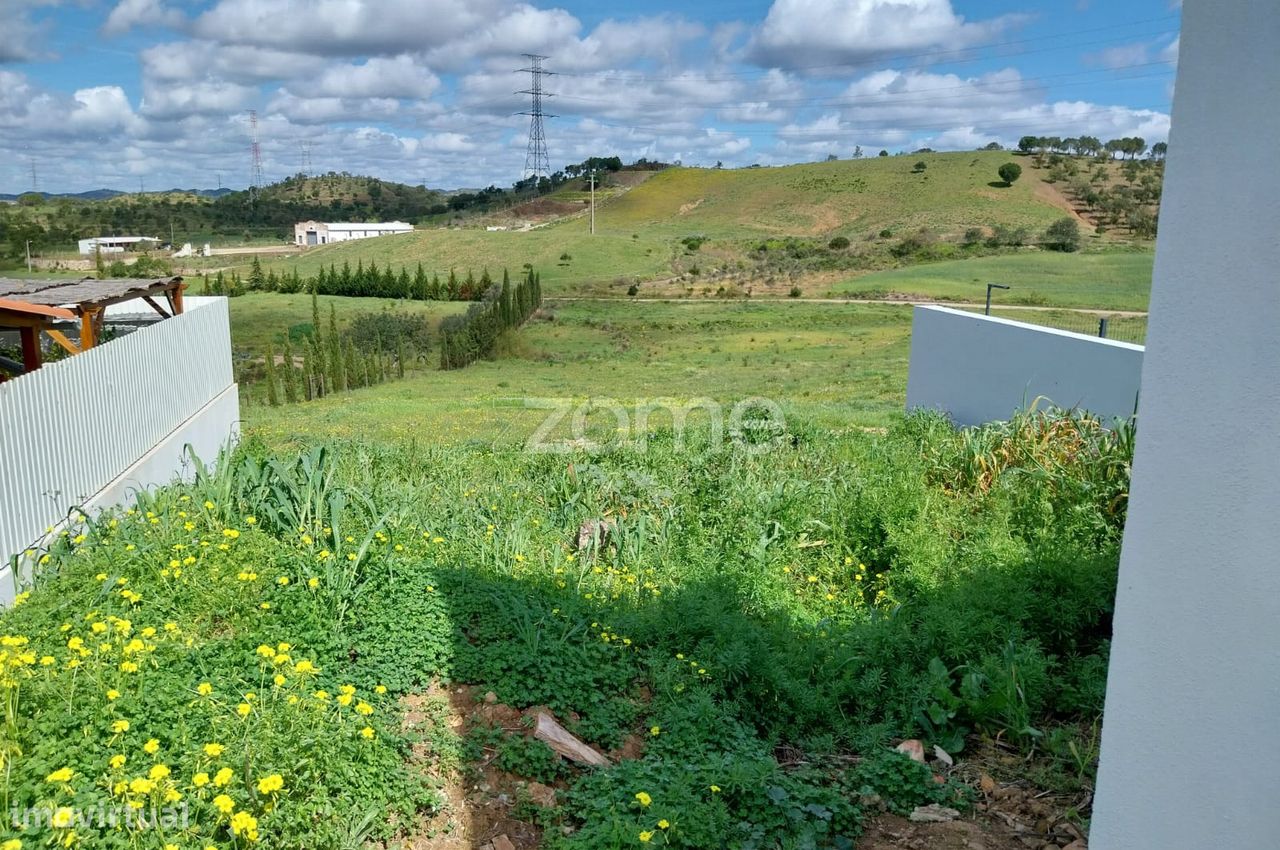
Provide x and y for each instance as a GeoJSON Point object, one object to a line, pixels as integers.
{"type": "Point", "coordinates": [71, 428]}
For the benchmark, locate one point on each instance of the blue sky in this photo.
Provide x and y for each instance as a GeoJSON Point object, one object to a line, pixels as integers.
{"type": "Point", "coordinates": [157, 92]}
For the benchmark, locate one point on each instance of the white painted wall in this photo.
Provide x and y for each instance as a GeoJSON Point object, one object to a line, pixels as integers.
{"type": "Point", "coordinates": [1189, 742]}
{"type": "Point", "coordinates": [981, 369]}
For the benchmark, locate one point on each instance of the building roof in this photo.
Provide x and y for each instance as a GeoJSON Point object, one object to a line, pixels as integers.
{"type": "Point", "coordinates": [368, 225]}
{"type": "Point", "coordinates": [26, 309]}
{"type": "Point", "coordinates": [82, 292]}
{"type": "Point", "coordinates": [121, 239]}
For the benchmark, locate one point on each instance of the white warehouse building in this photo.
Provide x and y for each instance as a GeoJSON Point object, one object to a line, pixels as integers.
{"type": "Point", "coordinates": [116, 244]}
{"type": "Point", "coordinates": [322, 233]}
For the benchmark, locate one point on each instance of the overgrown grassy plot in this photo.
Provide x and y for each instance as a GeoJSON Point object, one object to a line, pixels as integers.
{"type": "Point", "coordinates": [830, 595]}
{"type": "Point", "coordinates": [834, 365]}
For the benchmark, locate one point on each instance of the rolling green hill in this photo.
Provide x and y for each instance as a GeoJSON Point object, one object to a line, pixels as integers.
{"type": "Point", "coordinates": [853, 198]}
{"type": "Point", "coordinates": [871, 202]}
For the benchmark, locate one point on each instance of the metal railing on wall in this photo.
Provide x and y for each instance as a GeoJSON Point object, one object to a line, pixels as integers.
{"type": "Point", "coordinates": [1121, 326]}
{"type": "Point", "coordinates": [73, 427]}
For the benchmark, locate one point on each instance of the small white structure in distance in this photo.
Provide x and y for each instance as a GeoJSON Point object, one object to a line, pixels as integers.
{"type": "Point", "coordinates": [116, 244]}
{"type": "Point", "coordinates": [309, 233]}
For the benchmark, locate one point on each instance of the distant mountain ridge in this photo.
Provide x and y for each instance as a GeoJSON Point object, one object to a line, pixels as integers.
{"type": "Point", "coordinates": [108, 194]}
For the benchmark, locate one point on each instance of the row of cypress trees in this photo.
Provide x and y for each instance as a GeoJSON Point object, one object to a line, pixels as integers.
{"type": "Point", "coordinates": [473, 335]}
{"type": "Point", "coordinates": [362, 281]}
{"type": "Point", "coordinates": [330, 363]}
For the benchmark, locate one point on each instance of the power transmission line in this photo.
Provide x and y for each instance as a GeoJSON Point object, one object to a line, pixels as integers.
{"type": "Point", "coordinates": [537, 163]}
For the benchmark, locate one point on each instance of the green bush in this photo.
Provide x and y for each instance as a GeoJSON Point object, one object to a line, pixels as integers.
{"type": "Point", "coordinates": [1063, 235]}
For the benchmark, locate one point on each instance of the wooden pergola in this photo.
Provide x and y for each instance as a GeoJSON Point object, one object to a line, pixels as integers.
{"type": "Point", "coordinates": [33, 307]}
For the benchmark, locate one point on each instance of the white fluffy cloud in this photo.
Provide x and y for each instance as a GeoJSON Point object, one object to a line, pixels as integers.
{"type": "Point", "coordinates": [23, 33]}
{"type": "Point", "coordinates": [347, 27]}
{"type": "Point", "coordinates": [134, 14]}
{"type": "Point", "coordinates": [805, 33]}
{"type": "Point", "coordinates": [425, 89]}
{"type": "Point", "coordinates": [398, 77]}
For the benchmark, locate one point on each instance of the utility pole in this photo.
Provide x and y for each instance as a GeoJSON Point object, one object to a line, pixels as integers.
{"type": "Point", "coordinates": [593, 202]}
{"type": "Point", "coordinates": [28, 256]}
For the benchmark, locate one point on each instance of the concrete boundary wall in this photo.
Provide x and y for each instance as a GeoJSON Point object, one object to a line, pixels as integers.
{"type": "Point", "coordinates": [979, 369]}
{"type": "Point", "coordinates": [92, 430]}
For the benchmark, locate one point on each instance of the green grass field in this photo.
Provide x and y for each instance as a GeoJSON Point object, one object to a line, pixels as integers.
{"type": "Point", "coordinates": [840, 366]}
{"type": "Point", "coordinates": [1108, 281]}
{"type": "Point", "coordinates": [262, 317]}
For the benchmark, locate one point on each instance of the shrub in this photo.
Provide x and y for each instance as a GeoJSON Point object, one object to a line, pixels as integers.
{"type": "Point", "coordinates": [839, 243]}
{"type": "Point", "coordinates": [1063, 235]}
{"type": "Point", "coordinates": [1010, 172]}
{"type": "Point", "coordinates": [919, 167]}
{"type": "Point", "coordinates": [973, 236]}
{"type": "Point", "coordinates": [795, 292]}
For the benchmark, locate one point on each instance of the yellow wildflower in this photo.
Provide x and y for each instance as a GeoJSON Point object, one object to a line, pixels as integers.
{"type": "Point", "coordinates": [270, 784]}
{"type": "Point", "coordinates": [224, 804]}
{"type": "Point", "coordinates": [644, 799]}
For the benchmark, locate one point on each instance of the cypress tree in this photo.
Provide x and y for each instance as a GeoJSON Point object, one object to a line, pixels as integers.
{"type": "Point", "coordinates": [289, 377]}
{"type": "Point", "coordinates": [315, 313]}
{"type": "Point", "coordinates": [337, 364]}
{"type": "Point", "coordinates": [420, 284]}
{"type": "Point", "coordinates": [352, 367]}
{"type": "Point", "coordinates": [308, 373]}
{"type": "Point", "coordinates": [273, 394]}
{"type": "Point", "coordinates": [319, 370]}
{"type": "Point", "coordinates": [506, 314]}
{"type": "Point", "coordinates": [256, 278]}
{"type": "Point", "coordinates": [436, 291]}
